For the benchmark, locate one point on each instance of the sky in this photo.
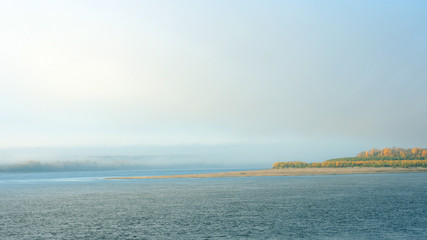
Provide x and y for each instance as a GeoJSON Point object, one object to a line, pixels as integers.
{"type": "Point", "coordinates": [299, 80]}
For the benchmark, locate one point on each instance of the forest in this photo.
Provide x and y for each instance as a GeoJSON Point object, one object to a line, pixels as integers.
{"type": "Point", "coordinates": [387, 157]}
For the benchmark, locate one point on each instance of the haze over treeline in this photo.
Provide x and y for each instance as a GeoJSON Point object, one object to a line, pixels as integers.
{"type": "Point", "coordinates": [243, 82]}
{"type": "Point", "coordinates": [222, 156]}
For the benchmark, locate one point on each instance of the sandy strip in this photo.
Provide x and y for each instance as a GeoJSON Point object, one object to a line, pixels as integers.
{"type": "Point", "coordinates": [289, 172]}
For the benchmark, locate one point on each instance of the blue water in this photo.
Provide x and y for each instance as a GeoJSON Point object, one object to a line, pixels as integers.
{"type": "Point", "coordinates": [83, 205]}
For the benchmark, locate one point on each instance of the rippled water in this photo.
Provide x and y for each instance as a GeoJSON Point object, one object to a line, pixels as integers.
{"type": "Point", "coordinates": [82, 205]}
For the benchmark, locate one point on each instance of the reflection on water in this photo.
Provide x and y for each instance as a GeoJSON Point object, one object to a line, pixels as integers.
{"type": "Point", "coordinates": [83, 205]}
{"type": "Point", "coordinates": [46, 177]}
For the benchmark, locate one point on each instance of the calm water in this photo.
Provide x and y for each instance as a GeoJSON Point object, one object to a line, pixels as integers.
{"type": "Point", "coordinates": [82, 205]}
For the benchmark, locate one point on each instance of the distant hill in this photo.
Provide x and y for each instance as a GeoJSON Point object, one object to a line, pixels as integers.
{"type": "Point", "coordinates": [387, 157]}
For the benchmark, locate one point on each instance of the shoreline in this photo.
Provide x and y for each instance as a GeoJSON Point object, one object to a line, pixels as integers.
{"type": "Point", "coordinates": [289, 172]}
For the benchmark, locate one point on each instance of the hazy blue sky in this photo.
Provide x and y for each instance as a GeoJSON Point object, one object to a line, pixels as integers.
{"type": "Point", "coordinates": [319, 77]}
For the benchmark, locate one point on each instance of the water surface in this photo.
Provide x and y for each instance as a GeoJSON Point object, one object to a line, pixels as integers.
{"type": "Point", "coordinates": [83, 205]}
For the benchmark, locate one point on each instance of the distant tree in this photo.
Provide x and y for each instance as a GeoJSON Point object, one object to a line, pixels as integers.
{"type": "Point", "coordinates": [387, 157]}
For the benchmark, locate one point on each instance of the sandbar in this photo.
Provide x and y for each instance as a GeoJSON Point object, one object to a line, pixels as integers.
{"type": "Point", "coordinates": [289, 172]}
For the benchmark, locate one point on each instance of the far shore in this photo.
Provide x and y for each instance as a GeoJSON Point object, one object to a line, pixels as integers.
{"type": "Point", "coordinates": [289, 172]}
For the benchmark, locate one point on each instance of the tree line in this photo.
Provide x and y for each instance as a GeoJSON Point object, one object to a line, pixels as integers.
{"type": "Point", "coordinates": [387, 157]}
{"type": "Point", "coordinates": [395, 154]}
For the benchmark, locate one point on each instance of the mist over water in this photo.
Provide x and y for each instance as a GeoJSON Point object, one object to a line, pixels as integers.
{"type": "Point", "coordinates": [259, 156]}
{"type": "Point", "coordinates": [121, 162]}
{"type": "Point", "coordinates": [95, 89]}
